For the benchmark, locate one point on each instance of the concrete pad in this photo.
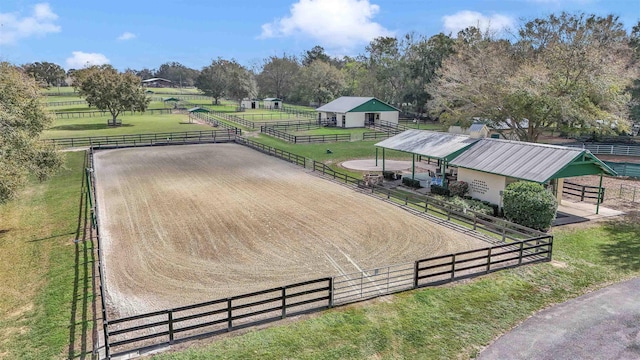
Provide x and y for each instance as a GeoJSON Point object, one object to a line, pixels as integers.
{"type": "Point", "coordinates": [604, 324]}
{"type": "Point", "coordinates": [370, 165]}
{"type": "Point", "coordinates": [586, 210]}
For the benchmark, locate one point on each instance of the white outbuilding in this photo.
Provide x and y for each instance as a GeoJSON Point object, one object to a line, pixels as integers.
{"type": "Point", "coordinates": [250, 104]}
{"type": "Point", "coordinates": [272, 103]}
{"type": "Point", "coordinates": [355, 111]}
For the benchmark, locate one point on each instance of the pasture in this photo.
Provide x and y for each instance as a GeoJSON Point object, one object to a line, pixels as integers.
{"type": "Point", "coordinates": [131, 124]}
{"type": "Point", "coordinates": [186, 224]}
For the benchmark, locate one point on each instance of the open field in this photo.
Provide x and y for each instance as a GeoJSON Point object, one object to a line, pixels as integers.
{"type": "Point", "coordinates": [131, 124]}
{"type": "Point", "coordinates": [185, 224]}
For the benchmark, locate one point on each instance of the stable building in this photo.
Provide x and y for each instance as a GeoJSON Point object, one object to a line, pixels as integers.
{"type": "Point", "coordinates": [355, 111]}
{"type": "Point", "coordinates": [272, 103]}
{"type": "Point", "coordinates": [492, 164]}
{"type": "Point", "coordinates": [250, 104]}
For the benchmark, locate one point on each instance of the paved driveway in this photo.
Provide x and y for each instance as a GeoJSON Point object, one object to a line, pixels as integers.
{"type": "Point", "coordinates": [604, 324]}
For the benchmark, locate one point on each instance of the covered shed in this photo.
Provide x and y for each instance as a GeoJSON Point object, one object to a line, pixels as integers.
{"type": "Point", "coordinates": [476, 130]}
{"type": "Point", "coordinates": [194, 110]}
{"type": "Point", "coordinates": [491, 164]}
{"type": "Point", "coordinates": [443, 147]}
{"type": "Point", "coordinates": [355, 111]}
{"type": "Point", "coordinates": [272, 103]}
{"type": "Point", "coordinates": [157, 82]}
{"type": "Point", "coordinates": [250, 104]}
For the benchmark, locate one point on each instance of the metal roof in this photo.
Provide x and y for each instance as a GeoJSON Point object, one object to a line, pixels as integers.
{"type": "Point", "coordinates": [272, 99]}
{"type": "Point", "coordinates": [528, 161]}
{"type": "Point", "coordinates": [437, 145]}
{"type": "Point", "coordinates": [344, 104]}
{"type": "Point", "coordinates": [477, 127]}
{"type": "Point", "coordinates": [198, 109]}
{"type": "Point", "coordinates": [155, 79]}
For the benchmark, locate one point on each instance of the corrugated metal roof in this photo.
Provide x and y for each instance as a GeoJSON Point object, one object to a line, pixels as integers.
{"type": "Point", "coordinates": [432, 144]}
{"type": "Point", "coordinates": [272, 99]}
{"type": "Point", "coordinates": [476, 127]}
{"type": "Point", "coordinates": [344, 104]}
{"type": "Point", "coordinates": [521, 160]}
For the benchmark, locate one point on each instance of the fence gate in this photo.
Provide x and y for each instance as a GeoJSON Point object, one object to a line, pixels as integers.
{"type": "Point", "coordinates": [368, 284]}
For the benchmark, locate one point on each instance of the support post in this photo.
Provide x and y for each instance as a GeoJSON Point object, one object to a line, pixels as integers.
{"type": "Point", "coordinates": [413, 166]}
{"type": "Point", "coordinates": [599, 195]}
{"type": "Point", "coordinates": [382, 159]}
{"type": "Point", "coordinates": [376, 156]}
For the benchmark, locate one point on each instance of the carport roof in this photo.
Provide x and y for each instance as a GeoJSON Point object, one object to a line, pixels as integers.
{"type": "Point", "coordinates": [436, 145]}
{"type": "Point", "coordinates": [347, 104]}
{"type": "Point", "coordinates": [198, 109]}
{"type": "Point", "coordinates": [529, 161]}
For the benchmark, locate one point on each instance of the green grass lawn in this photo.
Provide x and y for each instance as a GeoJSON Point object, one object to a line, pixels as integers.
{"type": "Point", "coordinates": [131, 124]}
{"type": "Point", "coordinates": [45, 278]}
{"type": "Point", "coordinates": [50, 99]}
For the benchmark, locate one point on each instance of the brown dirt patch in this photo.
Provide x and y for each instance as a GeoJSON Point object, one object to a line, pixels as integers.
{"type": "Point", "coordinates": [184, 224]}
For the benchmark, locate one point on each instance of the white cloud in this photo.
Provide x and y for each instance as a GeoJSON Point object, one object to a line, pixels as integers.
{"type": "Point", "coordinates": [333, 23]}
{"type": "Point", "coordinates": [464, 19]}
{"type": "Point", "coordinates": [126, 36]}
{"type": "Point", "coordinates": [39, 23]}
{"type": "Point", "coordinates": [81, 59]}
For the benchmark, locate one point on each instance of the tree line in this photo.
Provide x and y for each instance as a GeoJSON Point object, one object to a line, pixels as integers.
{"type": "Point", "coordinates": [567, 72]}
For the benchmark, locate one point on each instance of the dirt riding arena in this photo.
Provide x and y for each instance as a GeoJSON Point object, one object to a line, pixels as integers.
{"type": "Point", "coordinates": [191, 223]}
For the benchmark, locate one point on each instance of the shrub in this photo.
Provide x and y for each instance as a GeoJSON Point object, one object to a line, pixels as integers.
{"type": "Point", "coordinates": [440, 190]}
{"type": "Point", "coordinates": [475, 205]}
{"type": "Point", "coordinates": [411, 182]}
{"type": "Point", "coordinates": [459, 188]}
{"type": "Point", "coordinates": [529, 204]}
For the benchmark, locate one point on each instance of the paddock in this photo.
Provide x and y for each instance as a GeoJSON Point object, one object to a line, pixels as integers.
{"type": "Point", "coordinates": [191, 223]}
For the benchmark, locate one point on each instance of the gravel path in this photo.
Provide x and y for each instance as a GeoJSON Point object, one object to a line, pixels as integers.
{"type": "Point", "coordinates": [185, 224]}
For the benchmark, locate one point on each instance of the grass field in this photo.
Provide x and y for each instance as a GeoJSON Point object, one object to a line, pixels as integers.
{"type": "Point", "coordinates": [45, 279]}
{"type": "Point", "coordinates": [131, 124]}
{"type": "Point", "coordinates": [44, 291]}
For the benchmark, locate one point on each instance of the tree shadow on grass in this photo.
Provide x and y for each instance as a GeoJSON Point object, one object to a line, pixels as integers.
{"type": "Point", "coordinates": [90, 126]}
{"type": "Point", "coordinates": [623, 251]}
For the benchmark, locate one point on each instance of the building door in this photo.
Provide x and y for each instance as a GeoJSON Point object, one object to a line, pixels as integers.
{"type": "Point", "coordinates": [253, 104]}
{"type": "Point", "coordinates": [371, 120]}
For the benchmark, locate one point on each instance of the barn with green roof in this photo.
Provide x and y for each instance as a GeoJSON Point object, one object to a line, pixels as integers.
{"type": "Point", "coordinates": [356, 111]}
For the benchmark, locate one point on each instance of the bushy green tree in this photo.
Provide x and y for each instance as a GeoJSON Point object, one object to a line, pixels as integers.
{"type": "Point", "coordinates": [22, 119]}
{"type": "Point", "coordinates": [107, 89]}
{"type": "Point", "coordinates": [529, 204]}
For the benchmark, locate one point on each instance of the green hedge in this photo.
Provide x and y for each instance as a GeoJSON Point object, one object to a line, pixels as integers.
{"type": "Point", "coordinates": [440, 190]}
{"type": "Point", "coordinates": [529, 204]}
{"type": "Point", "coordinates": [411, 182]}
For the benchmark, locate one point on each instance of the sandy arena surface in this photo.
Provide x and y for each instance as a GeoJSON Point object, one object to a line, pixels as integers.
{"type": "Point", "coordinates": [186, 224]}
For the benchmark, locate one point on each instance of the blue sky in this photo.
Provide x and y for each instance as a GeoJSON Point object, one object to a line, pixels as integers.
{"type": "Point", "coordinates": [139, 34]}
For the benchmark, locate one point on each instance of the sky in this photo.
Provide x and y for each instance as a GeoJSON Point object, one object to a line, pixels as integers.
{"type": "Point", "coordinates": [138, 33]}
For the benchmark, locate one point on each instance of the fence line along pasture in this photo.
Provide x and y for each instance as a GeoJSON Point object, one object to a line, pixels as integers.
{"type": "Point", "coordinates": [99, 113]}
{"type": "Point", "coordinates": [269, 130]}
{"type": "Point", "coordinates": [515, 245]}
{"type": "Point", "coordinates": [65, 103]}
{"type": "Point", "coordinates": [186, 137]}
{"type": "Point", "coordinates": [608, 149]}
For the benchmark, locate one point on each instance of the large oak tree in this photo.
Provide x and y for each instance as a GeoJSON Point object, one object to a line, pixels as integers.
{"type": "Point", "coordinates": [564, 72]}
{"type": "Point", "coordinates": [23, 117]}
{"type": "Point", "coordinates": [107, 89]}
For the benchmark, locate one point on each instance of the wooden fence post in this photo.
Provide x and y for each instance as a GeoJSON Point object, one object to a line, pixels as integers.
{"type": "Point", "coordinates": [284, 302]}
{"type": "Point", "coordinates": [415, 274]}
{"type": "Point", "coordinates": [170, 316]}
{"type": "Point", "coordinates": [453, 266]}
{"type": "Point", "coordinates": [229, 315]}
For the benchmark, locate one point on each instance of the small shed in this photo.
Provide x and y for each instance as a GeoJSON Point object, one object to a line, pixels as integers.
{"type": "Point", "coordinates": [196, 110]}
{"type": "Point", "coordinates": [272, 103]}
{"type": "Point", "coordinates": [157, 82]}
{"type": "Point", "coordinates": [492, 164]}
{"type": "Point", "coordinates": [250, 104]}
{"type": "Point", "coordinates": [356, 111]}
{"type": "Point", "coordinates": [476, 130]}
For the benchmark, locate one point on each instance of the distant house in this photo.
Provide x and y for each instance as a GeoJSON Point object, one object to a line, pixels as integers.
{"type": "Point", "coordinates": [354, 111]}
{"type": "Point", "coordinates": [157, 82]}
{"type": "Point", "coordinates": [475, 131]}
{"type": "Point", "coordinates": [250, 104]}
{"type": "Point", "coordinates": [272, 103]}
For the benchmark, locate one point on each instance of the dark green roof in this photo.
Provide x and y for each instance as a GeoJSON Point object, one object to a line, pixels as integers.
{"type": "Point", "coordinates": [198, 110]}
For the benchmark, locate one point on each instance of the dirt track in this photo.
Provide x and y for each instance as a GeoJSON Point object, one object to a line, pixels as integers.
{"type": "Point", "coordinates": [185, 224]}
